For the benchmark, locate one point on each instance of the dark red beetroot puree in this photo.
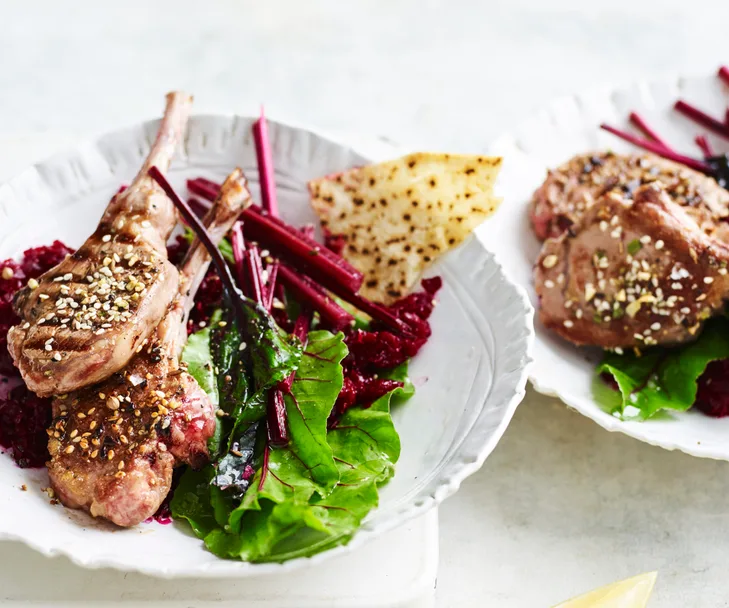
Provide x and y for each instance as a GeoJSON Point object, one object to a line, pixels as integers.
{"type": "Point", "coordinates": [24, 417]}
{"type": "Point", "coordinates": [712, 397]}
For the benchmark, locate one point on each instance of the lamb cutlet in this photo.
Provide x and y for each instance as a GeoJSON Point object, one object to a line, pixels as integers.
{"type": "Point", "coordinates": [632, 274]}
{"type": "Point", "coordinates": [113, 445]}
{"type": "Point", "coordinates": [83, 320]}
{"type": "Point", "coordinates": [571, 189]}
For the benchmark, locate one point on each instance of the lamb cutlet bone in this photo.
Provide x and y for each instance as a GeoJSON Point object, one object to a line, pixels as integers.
{"type": "Point", "coordinates": [113, 446]}
{"type": "Point", "coordinates": [83, 320]}
{"type": "Point", "coordinates": [631, 274]}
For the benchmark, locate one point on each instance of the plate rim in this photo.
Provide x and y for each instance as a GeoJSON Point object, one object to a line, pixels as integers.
{"type": "Point", "coordinates": [468, 458]}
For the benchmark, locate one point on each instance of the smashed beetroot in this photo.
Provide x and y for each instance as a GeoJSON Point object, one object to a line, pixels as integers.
{"type": "Point", "coordinates": [377, 350]}
{"type": "Point", "coordinates": [360, 389]}
{"type": "Point", "coordinates": [177, 249]}
{"type": "Point", "coordinates": [208, 298]}
{"type": "Point", "coordinates": [24, 417]}
{"type": "Point", "coordinates": [712, 397]}
{"type": "Point", "coordinates": [371, 352]}
{"type": "Point", "coordinates": [12, 278]}
{"type": "Point", "coordinates": [382, 349]}
{"type": "Point", "coordinates": [334, 242]}
{"type": "Point", "coordinates": [38, 260]}
{"type": "Point", "coordinates": [420, 303]}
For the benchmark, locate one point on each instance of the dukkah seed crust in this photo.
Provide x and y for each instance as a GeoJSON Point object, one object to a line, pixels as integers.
{"type": "Point", "coordinates": [107, 294]}
{"type": "Point", "coordinates": [121, 418]}
{"type": "Point", "coordinates": [572, 188]}
{"type": "Point", "coordinates": [632, 274]}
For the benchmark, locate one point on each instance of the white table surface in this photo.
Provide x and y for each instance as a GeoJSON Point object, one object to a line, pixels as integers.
{"type": "Point", "coordinates": [561, 506]}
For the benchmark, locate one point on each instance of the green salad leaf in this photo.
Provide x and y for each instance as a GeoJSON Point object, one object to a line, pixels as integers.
{"type": "Point", "coordinates": [315, 491]}
{"type": "Point", "coordinates": [225, 247]}
{"type": "Point", "coordinates": [198, 356]}
{"type": "Point", "coordinates": [199, 360]}
{"type": "Point", "coordinates": [290, 519]}
{"type": "Point", "coordinates": [665, 379]}
{"type": "Point", "coordinates": [191, 501]}
{"type": "Point", "coordinates": [316, 387]}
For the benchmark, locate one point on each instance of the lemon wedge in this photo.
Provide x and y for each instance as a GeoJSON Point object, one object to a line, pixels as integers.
{"type": "Point", "coordinates": [630, 593]}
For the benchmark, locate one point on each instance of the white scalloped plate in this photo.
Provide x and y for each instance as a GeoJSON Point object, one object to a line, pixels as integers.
{"type": "Point", "coordinates": [475, 363]}
{"type": "Point", "coordinates": [566, 127]}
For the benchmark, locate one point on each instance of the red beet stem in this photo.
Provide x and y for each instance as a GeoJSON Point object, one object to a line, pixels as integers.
{"type": "Point", "coordinates": [254, 275]}
{"type": "Point", "coordinates": [239, 249]}
{"type": "Point", "coordinates": [715, 126]}
{"type": "Point", "coordinates": [271, 284]}
{"type": "Point", "coordinates": [265, 165]}
{"type": "Point", "coordinates": [652, 146]}
{"type": "Point", "coordinates": [301, 331]}
{"type": "Point", "coordinates": [278, 433]}
{"type": "Point", "coordinates": [198, 206]}
{"type": "Point", "coordinates": [724, 74]}
{"type": "Point", "coordinates": [300, 250]}
{"type": "Point", "coordinates": [703, 143]}
{"type": "Point", "coordinates": [267, 180]}
{"type": "Point", "coordinates": [192, 220]}
{"type": "Point", "coordinates": [264, 467]}
{"type": "Point", "coordinates": [377, 312]}
{"type": "Point", "coordinates": [641, 124]}
{"type": "Point", "coordinates": [203, 188]}
{"type": "Point", "coordinates": [301, 327]}
{"type": "Point", "coordinates": [305, 254]}
{"type": "Point", "coordinates": [305, 292]}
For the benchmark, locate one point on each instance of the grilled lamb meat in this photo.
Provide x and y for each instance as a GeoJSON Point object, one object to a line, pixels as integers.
{"type": "Point", "coordinates": [113, 445]}
{"type": "Point", "coordinates": [571, 189]}
{"type": "Point", "coordinates": [83, 319]}
{"type": "Point", "coordinates": [631, 274]}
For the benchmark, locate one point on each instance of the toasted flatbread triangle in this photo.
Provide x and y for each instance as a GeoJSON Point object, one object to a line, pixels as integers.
{"type": "Point", "coordinates": [396, 217]}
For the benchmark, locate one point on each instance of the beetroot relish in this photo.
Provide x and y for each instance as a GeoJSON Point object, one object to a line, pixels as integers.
{"type": "Point", "coordinates": [360, 389]}
{"type": "Point", "coordinates": [371, 352]}
{"type": "Point", "coordinates": [24, 417]}
{"type": "Point", "coordinates": [712, 396]}
{"type": "Point", "coordinates": [334, 242]}
{"type": "Point", "coordinates": [38, 260]}
{"type": "Point", "coordinates": [209, 297]}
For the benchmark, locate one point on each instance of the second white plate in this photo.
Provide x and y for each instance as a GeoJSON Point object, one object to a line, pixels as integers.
{"type": "Point", "coordinates": [567, 127]}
